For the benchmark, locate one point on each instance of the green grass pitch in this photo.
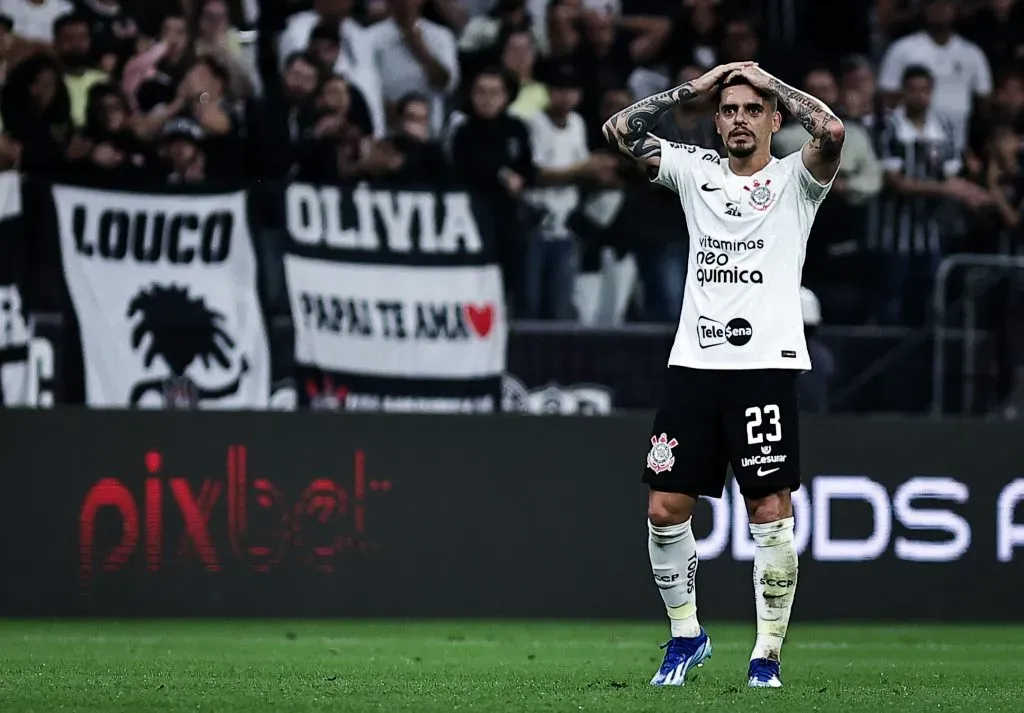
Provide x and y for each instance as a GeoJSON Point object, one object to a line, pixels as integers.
{"type": "Point", "coordinates": [494, 667]}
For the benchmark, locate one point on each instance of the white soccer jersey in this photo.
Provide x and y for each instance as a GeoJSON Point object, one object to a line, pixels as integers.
{"type": "Point", "coordinates": [748, 235]}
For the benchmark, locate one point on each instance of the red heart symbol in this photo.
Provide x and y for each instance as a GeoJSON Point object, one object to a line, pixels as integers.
{"type": "Point", "coordinates": [481, 319]}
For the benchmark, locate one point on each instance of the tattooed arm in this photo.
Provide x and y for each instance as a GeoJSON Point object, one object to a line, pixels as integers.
{"type": "Point", "coordinates": [629, 131]}
{"type": "Point", "coordinates": [823, 152]}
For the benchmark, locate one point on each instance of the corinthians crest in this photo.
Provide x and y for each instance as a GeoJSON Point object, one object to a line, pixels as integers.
{"type": "Point", "coordinates": [660, 458]}
{"type": "Point", "coordinates": [761, 196]}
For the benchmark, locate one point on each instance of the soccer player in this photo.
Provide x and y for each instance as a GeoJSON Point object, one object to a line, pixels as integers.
{"type": "Point", "coordinates": [730, 395]}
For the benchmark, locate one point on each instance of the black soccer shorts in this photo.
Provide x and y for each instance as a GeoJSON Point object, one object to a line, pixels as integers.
{"type": "Point", "coordinates": [711, 419]}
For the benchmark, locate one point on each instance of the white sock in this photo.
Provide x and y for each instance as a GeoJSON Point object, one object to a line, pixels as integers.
{"type": "Point", "coordinates": [674, 561]}
{"type": "Point", "coordinates": [775, 571]}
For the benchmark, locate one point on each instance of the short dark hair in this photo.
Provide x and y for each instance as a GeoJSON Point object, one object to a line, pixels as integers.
{"type": "Point", "coordinates": [175, 14]}
{"type": "Point", "coordinates": [738, 80]}
{"type": "Point", "coordinates": [818, 68]}
{"type": "Point", "coordinates": [853, 62]}
{"type": "Point", "coordinates": [329, 31]}
{"type": "Point", "coordinates": [308, 58]}
{"type": "Point", "coordinates": [71, 18]}
{"type": "Point", "coordinates": [411, 98]}
{"type": "Point", "coordinates": [917, 71]}
{"type": "Point", "coordinates": [494, 70]}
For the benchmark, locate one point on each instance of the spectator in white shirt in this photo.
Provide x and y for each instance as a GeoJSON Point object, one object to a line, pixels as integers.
{"type": "Point", "coordinates": [961, 71]}
{"type": "Point", "coordinates": [33, 19]}
{"type": "Point", "coordinates": [355, 58]}
{"type": "Point", "coordinates": [413, 54]}
{"type": "Point", "coordinates": [558, 140]}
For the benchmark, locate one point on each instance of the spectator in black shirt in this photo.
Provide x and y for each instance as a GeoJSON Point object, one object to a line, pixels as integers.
{"type": "Point", "coordinates": [325, 45]}
{"type": "Point", "coordinates": [206, 102]}
{"type": "Point", "coordinates": [742, 43]}
{"type": "Point", "coordinates": [491, 153]}
{"type": "Point", "coordinates": [491, 148]}
{"type": "Point", "coordinates": [694, 39]}
{"type": "Point", "coordinates": [605, 58]}
{"type": "Point", "coordinates": [1008, 107]}
{"type": "Point", "coordinates": [691, 122]}
{"type": "Point", "coordinates": [288, 112]}
{"type": "Point", "coordinates": [482, 39]}
{"type": "Point", "coordinates": [421, 160]}
{"type": "Point", "coordinates": [36, 113]}
{"type": "Point", "coordinates": [152, 78]}
{"type": "Point", "coordinates": [114, 32]}
{"type": "Point", "coordinates": [860, 99]}
{"type": "Point", "coordinates": [107, 147]}
{"type": "Point", "coordinates": [999, 229]}
{"type": "Point", "coordinates": [182, 153]}
{"type": "Point", "coordinates": [334, 147]}
{"type": "Point", "coordinates": [999, 30]}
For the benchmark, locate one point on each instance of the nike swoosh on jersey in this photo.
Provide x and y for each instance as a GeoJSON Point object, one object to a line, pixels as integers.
{"type": "Point", "coordinates": [763, 473]}
{"type": "Point", "coordinates": [707, 187]}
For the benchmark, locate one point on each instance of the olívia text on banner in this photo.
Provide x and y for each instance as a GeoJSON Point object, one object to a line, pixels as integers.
{"type": "Point", "coordinates": [396, 298]}
{"type": "Point", "coordinates": [164, 289]}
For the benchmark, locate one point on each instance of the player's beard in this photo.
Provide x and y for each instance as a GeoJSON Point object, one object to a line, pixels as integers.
{"type": "Point", "coordinates": [743, 151]}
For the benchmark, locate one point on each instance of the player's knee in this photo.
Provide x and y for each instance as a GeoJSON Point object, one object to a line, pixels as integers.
{"type": "Point", "coordinates": [770, 508]}
{"type": "Point", "coordinates": [667, 509]}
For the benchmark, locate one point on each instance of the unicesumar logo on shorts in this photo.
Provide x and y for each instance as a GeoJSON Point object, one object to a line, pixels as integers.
{"type": "Point", "coordinates": [660, 459]}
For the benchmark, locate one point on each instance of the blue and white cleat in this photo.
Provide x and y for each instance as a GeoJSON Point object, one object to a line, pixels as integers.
{"type": "Point", "coordinates": [682, 654]}
{"type": "Point", "coordinates": [764, 673]}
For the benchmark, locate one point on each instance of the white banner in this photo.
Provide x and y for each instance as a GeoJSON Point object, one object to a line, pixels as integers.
{"type": "Point", "coordinates": [164, 287]}
{"type": "Point", "coordinates": [26, 357]}
{"type": "Point", "coordinates": [396, 320]}
{"type": "Point", "coordinates": [396, 299]}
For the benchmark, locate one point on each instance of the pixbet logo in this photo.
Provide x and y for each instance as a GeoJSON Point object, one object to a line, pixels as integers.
{"type": "Point", "coordinates": [257, 525]}
{"type": "Point", "coordinates": [711, 333]}
{"type": "Point", "coordinates": [917, 522]}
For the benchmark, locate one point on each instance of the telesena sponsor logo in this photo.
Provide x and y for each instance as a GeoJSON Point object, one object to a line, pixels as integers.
{"type": "Point", "coordinates": [923, 519]}
{"type": "Point", "coordinates": [711, 333]}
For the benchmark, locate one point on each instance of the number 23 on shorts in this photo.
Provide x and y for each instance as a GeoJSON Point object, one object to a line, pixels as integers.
{"type": "Point", "coordinates": [768, 416]}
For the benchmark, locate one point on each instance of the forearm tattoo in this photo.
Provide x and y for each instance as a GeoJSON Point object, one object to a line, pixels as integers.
{"type": "Point", "coordinates": [630, 130]}
{"type": "Point", "coordinates": [815, 117]}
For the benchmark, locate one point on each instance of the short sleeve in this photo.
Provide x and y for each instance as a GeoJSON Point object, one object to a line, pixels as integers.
{"type": "Point", "coordinates": [809, 185]}
{"type": "Point", "coordinates": [295, 37]}
{"type": "Point", "coordinates": [446, 51]}
{"type": "Point", "coordinates": [890, 74]}
{"type": "Point", "coordinates": [676, 161]}
{"type": "Point", "coordinates": [982, 85]}
{"type": "Point", "coordinates": [582, 151]}
{"type": "Point", "coordinates": [890, 153]}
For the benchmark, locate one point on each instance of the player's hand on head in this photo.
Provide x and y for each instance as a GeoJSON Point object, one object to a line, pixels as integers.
{"type": "Point", "coordinates": [757, 77]}
{"type": "Point", "coordinates": [712, 77]}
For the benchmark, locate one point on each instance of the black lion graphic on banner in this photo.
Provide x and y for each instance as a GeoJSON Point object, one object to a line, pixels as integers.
{"type": "Point", "coordinates": [181, 330]}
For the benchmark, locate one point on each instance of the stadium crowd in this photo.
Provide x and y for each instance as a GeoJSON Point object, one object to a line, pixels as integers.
{"type": "Point", "coordinates": [509, 96]}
